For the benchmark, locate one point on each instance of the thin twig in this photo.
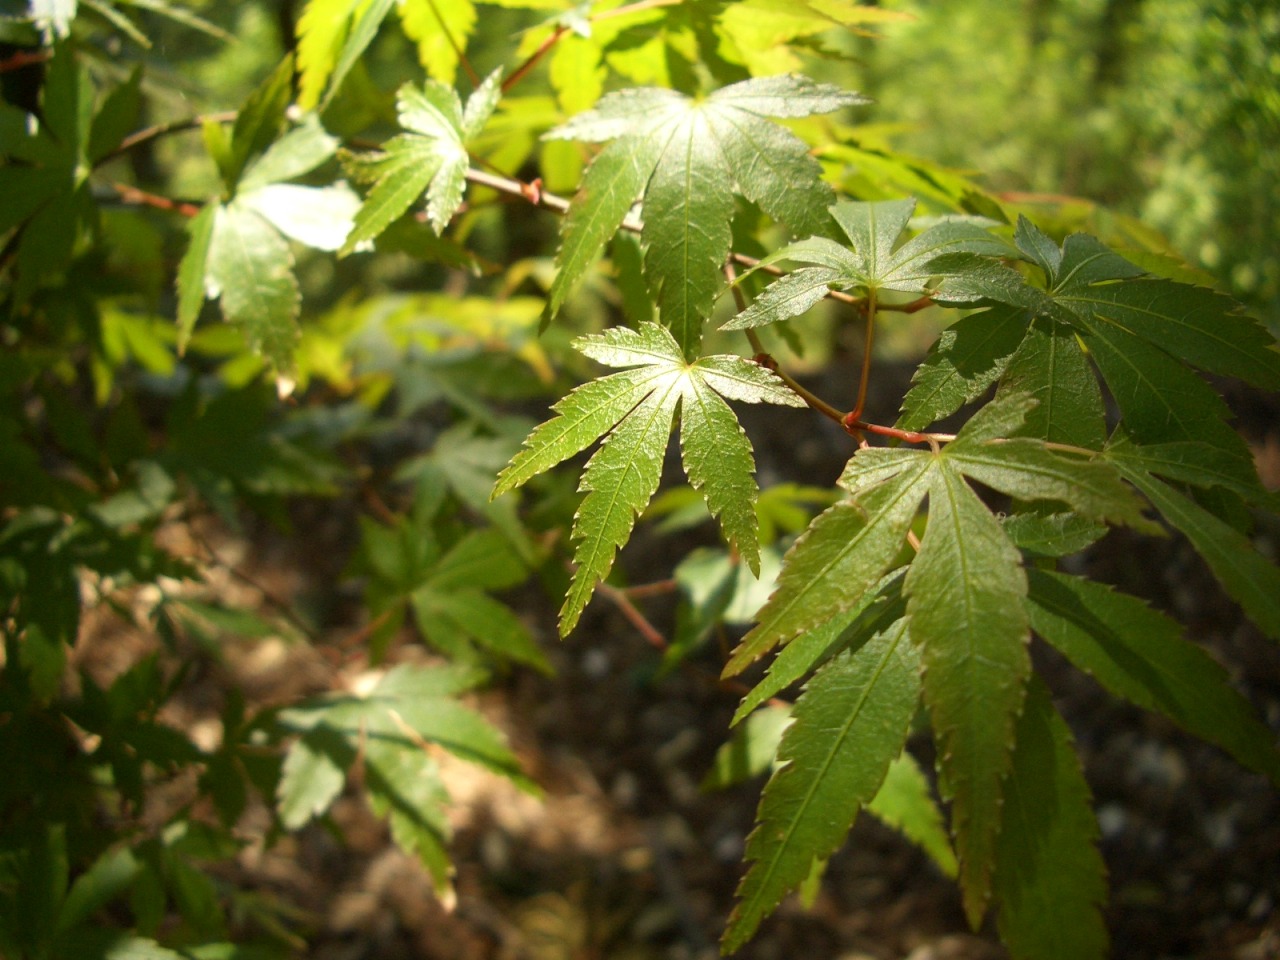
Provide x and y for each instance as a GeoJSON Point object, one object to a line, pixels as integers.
{"type": "Point", "coordinates": [766, 359]}
{"type": "Point", "coordinates": [656, 589]}
{"type": "Point", "coordinates": [281, 607]}
{"type": "Point", "coordinates": [457, 50]}
{"type": "Point", "coordinates": [165, 129]}
{"type": "Point", "coordinates": [531, 61]}
{"type": "Point", "coordinates": [136, 197]}
{"type": "Point", "coordinates": [637, 619]}
{"type": "Point", "coordinates": [23, 58]}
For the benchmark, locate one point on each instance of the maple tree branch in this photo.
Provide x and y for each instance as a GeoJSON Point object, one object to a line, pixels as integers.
{"type": "Point", "coordinates": [656, 589]}
{"type": "Point", "coordinates": [23, 58]}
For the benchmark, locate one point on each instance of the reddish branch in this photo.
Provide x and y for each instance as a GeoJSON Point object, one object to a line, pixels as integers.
{"type": "Point", "coordinates": [23, 58]}
{"type": "Point", "coordinates": [133, 195]}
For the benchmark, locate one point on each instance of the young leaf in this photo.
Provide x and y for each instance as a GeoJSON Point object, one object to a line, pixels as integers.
{"type": "Point", "coordinates": [750, 751]}
{"type": "Point", "coordinates": [391, 731]}
{"type": "Point", "coordinates": [965, 609]}
{"type": "Point", "coordinates": [844, 553]}
{"type": "Point", "coordinates": [299, 151]}
{"type": "Point", "coordinates": [431, 157]}
{"type": "Point", "coordinates": [688, 159]}
{"type": "Point", "coordinates": [849, 726]}
{"type": "Point", "coordinates": [320, 217]}
{"type": "Point", "coordinates": [322, 28]}
{"type": "Point", "coordinates": [368, 16]}
{"type": "Point", "coordinates": [1050, 881]}
{"type": "Point", "coordinates": [312, 776]}
{"type": "Point", "coordinates": [191, 272]}
{"type": "Point", "coordinates": [440, 29]}
{"type": "Point", "coordinates": [1138, 653]}
{"type": "Point", "coordinates": [636, 408]}
{"type": "Point", "coordinates": [873, 230]}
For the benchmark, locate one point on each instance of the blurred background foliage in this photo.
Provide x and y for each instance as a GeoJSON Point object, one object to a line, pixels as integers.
{"type": "Point", "coordinates": [1168, 112]}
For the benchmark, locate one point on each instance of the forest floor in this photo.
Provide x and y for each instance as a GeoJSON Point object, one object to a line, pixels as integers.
{"type": "Point", "coordinates": [625, 858]}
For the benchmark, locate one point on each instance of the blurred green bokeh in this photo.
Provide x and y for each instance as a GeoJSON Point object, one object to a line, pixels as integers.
{"type": "Point", "coordinates": [1169, 111]}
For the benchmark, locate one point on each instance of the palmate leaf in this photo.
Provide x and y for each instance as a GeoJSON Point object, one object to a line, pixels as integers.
{"type": "Point", "coordinates": [964, 609]}
{"type": "Point", "coordinates": [429, 158]}
{"type": "Point", "coordinates": [843, 554]}
{"type": "Point", "coordinates": [636, 408]}
{"type": "Point", "coordinates": [391, 731]}
{"type": "Point", "coordinates": [440, 31]}
{"type": "Point", "coordinates": [965, 595]}
{"type": "Point", "coordinates": [687, 159]}
{"type": "Point", "coordinates": [1138, 653]}
{"type": "Point", "coordinates": [1141, 334]}
{"type": "Point", "coordinates": [849, 726]}
{"type": "Point", "coordinates": [847, 549]}
{"type": "Point", "coordinates": [1050, 880]}
{"type": "Point", "coordinates": [332, 34]}
{"type": "Point", "coordinates": [966, 359]}
{"type": "Point", "coordinates": [873, 230]}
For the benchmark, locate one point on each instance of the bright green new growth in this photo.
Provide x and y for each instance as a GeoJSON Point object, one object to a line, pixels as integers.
{"type": "Point", "coordinates": [430, 158]}
{"type": "Point", "coordinates": [636, 408]}
{"type": "Point", "coordinates": [685, 159]}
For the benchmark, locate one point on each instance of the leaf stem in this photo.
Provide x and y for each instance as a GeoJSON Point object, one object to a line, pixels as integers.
{"type": "Point", "coordinates": [637, 619]}
{"type": "Point", "coordinates": [165, 129]}
{"type": "Point", "coordinates": [531, 61]}
{"type": "Point", "coordinates": [766, 359]}
{"type": "Point", "coordinates": [134, 196]}
{"type": "Point", "coordinates": [864, 378]}
{"type": "Point", "coordinates": [457, 50]}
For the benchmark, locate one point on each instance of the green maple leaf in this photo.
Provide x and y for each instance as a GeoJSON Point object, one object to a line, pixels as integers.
{"type": "Point", "coordinates": [849, 726]}
{"type": "Point", "coordinates": [390, 732]}
{"type": "Point", "coordinates": [430, 158]}
{"type": "Point", "coordinates": [332, 34]}
{"type": "Point", "coordinates": [1047, 860]}
{"type": "Point", "coordinates": [1139, 654]}
{"type": "Point", "coordinates": [239, 250]}
{"type": "Point", "coordinates": [47, 159]}
{"type": "Point", "coordinates": [873, 263]}
{"type": "Point", "coordinates": [687, 158]}
{"type": "Point", "coordinates": [636, 408]}
{"type": "Point", "coordinates": [965, 593]}
{"type": "Point", "coordinates": [1142, 335]}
